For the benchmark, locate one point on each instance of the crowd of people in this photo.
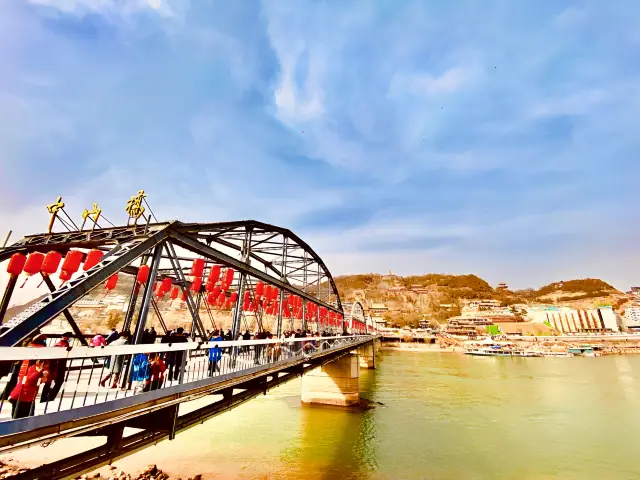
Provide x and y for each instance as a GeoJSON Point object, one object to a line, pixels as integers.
{"type": "Point", "coordinates": [148, 370]}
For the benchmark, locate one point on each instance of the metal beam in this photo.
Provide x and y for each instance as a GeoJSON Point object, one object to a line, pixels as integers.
{"type": "Point", "coordinates": [186, 291]}
{"type": "Point", "coordinates": [147, 296]}
{"type": "Point", "coordinates": [54, 305]}
{"type": "Point", "coordinates": [196, 246]}
{"type": "Point", "coordinates": [6, 298]}
{"type": "Point", "coordinates": [67, 315]}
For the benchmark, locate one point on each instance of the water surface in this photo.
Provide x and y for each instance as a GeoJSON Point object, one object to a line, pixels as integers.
{"type": "Point", "coordinates": [444, 416]}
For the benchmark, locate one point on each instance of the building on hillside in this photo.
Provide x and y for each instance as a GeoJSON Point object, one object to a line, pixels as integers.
{"type": "Point", "coordinates": [632, 318]}
{"type": "Point", "coordinates": [421, 290]}
{"type": "Point", "coordinates": [482, 304]}
{"type": "Point", "coordinates": [90, 303]}
{"type": "Point", "coordinates": [635, 291]}
{"type": "Point", "coordinates": [502, 286]}
{"type": "Point", "coordinates": [467, 325]}
{"type": "Point", "coordinates": [398, 289]}
{"type": "Point", "coordinates": [378, 309]}
{"type": "Point", "coordinates": [571, 320]}
{"type": "Point", "coordinates": [379, 322]}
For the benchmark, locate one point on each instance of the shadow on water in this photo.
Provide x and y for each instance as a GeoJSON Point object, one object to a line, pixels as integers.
{"type": "Point", "coordinates": [337, 442]}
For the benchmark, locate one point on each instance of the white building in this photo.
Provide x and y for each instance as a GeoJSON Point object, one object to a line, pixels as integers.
{"type": "Point", "coordinates": [571, 320]}
{"type": "Point", "coordinates": [632, 317]}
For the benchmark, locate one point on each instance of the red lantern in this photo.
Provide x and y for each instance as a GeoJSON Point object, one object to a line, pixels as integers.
{"type": "Point", "coordinates": [164, 287]}
{"type": "Point", "coordinates": [16, 264]}
{"type": "Point", "coordinates": [33, 265]}
{"type": "Point", "coordinates": [111, 282]}
{"type": "Point", "coordinates": [259, 289]}
{"type": "Point", "coordinates": [175, 291]}
{"type": "Point", "coordinates": [51, 263]}
{"type": "Point", "coordinates": [155, 286]}
{"type": "Point", "coordinates": [221, 298]}
{"type": "Point", "coordinates": [196, 285]}
{"type": "Point", "coordinates": [72, 261]}
{"type": "Point", "coordinates": [65, 276]}
{"type": "Point", "coordinates": [267, 292]}
{"type": "Point", "coordinates": [214, 275]}
{"type": "Point", "coordinates": [234, 297]}
{"type": "Point", "coordinates": [216, 292]}
{"type": "Point", "coordinates": [246, 302]}
{"type": "Point", "coordinates": [93, 258]}
{"type": "Point", "coordinates": [197, 267]}
{"type": "Point", "coordinates": [143, 274]}
{"type": "Point", "coordinates": [276, 307]}
{"type": "Point", "coordinates": [211, 299]}
{"type": "Point", "coordinates": [228, 276]}
{"type": "Point", "coordinates": [71, 264]}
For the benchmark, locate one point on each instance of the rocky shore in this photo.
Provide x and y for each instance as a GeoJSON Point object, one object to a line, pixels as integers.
{"type": "Point", "coordinates": [152, 472]}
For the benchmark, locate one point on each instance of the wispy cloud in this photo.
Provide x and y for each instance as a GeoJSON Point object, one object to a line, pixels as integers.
{"type": "Point", "coordinates": [415, 136]}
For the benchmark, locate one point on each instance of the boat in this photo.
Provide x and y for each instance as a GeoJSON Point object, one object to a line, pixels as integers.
{"type": "Point", "coordinates": [555, 354]}
{"type": "Point", "coordinates": [499, 351]}
{"type": "Point", "coordinates": [582, 351]}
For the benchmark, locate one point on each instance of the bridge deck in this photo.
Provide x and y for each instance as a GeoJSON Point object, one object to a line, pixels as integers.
{"type": "Point", "coordinates": [84, 404]}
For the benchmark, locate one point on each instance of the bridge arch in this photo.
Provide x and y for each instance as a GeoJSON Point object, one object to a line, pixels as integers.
{"type": "Point", "coordinates": [354, 316]}
{"type": "Point", "coordinates": [257, 252]}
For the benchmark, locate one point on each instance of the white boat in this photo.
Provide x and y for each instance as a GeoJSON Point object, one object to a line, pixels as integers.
{"type": "Point", "coordinates": [555, 354]}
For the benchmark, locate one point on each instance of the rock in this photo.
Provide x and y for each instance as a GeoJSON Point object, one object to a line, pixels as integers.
{"type": "Point", "coordinates": [112, 467]}
{"type": "Point", "coordinates": [197, 477]}
{"type": "Point", "coordinates": [151, 470]}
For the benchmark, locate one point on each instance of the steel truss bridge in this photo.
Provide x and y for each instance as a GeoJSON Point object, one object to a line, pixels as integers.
{"type": "Point", "coordinates": [222, 374]}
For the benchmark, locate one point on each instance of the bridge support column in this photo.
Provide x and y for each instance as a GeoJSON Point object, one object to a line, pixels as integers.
{"type": "Point", "coordinates": [367, 356]}
{"type": "Point", "coordinates": [336, 383]}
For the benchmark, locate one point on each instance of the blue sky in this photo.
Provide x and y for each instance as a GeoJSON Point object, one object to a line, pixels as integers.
{"type": "Point", "coordinates": [494, 137]}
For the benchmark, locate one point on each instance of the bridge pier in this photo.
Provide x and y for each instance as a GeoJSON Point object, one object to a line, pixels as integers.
{"type": "Point", "coordinates": [367, 356]}
{"type": "Point", "coordinates": [336, 383]}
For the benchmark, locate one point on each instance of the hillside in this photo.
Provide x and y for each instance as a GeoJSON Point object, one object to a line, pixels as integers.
{"type": "Point", "coordinates": [438, 296]}
{"type": "Point", "coordinates": [409, 299]}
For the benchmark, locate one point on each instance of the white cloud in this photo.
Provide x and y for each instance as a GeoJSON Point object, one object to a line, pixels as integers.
{"type": "Point", "coordinates": [117, 7]}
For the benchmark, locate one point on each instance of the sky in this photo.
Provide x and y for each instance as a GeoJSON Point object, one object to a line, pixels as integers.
{"type": "Point", "coordinates": [498, 138]}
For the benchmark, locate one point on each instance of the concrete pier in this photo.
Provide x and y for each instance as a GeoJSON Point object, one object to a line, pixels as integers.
{"type": "Point", "coordinates": [336, 383]}
{"type": "Point", "coordinates": [367, 356]}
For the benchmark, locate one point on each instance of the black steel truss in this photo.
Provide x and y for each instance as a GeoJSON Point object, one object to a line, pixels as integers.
{"type": "Point", "coordinates": [288, 263]}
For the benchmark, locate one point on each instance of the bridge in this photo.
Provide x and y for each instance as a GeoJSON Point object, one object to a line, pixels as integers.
{"type": "Point", "coordinates": [243, 276]}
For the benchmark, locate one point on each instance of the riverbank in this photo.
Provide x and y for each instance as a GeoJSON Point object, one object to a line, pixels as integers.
{"type": "Point", "coordinates": [419, 347]}
{"type": "Point", "coordinates": [110, 472]}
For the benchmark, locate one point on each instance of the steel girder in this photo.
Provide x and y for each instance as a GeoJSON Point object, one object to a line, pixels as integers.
{"type": "Point", "coordinates": [277, 249]}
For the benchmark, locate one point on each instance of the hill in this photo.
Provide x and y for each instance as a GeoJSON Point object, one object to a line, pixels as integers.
{"type": "Point", "coordinates": [438, 296]}
{"type": "Point", "coordinates": [409, 299]}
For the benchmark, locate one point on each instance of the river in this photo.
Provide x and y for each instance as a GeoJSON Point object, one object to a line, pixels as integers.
{"type": "Point", "coordinates": [441, 416]}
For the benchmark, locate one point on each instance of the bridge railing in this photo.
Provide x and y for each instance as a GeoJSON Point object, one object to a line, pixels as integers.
{"type": "Point", "coordinates": [40, 381]}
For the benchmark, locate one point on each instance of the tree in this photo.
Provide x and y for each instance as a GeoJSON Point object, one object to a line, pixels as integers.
{"type": "Point", "coordinates": [114, 318]}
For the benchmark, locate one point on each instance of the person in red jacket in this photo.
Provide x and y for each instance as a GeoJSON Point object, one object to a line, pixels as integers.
{"type": "Point", "coordinates": [156, 373]}
{"type": "Point", "coordinates": [57, 371]}
{"type": "Point", "coordinates": [23, 395]}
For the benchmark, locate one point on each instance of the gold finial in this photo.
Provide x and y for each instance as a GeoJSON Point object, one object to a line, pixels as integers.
{"type": "Point", "coordinates": [53, 209]}
{"type": "Point", "coordinates": [134, 207]}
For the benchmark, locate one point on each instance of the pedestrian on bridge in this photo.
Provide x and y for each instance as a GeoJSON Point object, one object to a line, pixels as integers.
{"type": "Point", "coordinates": [215, 355]}
{"type": "Point", "coordinates": [116, 362]}
{"type": "Point", "coordinates": [23, 395]}
{"type": "Point", "coordinates": [156, 373]}
{"type": "Point", "coordinates": [175, 359]}
{"type": "Point", "coordinates": [57, 371]}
